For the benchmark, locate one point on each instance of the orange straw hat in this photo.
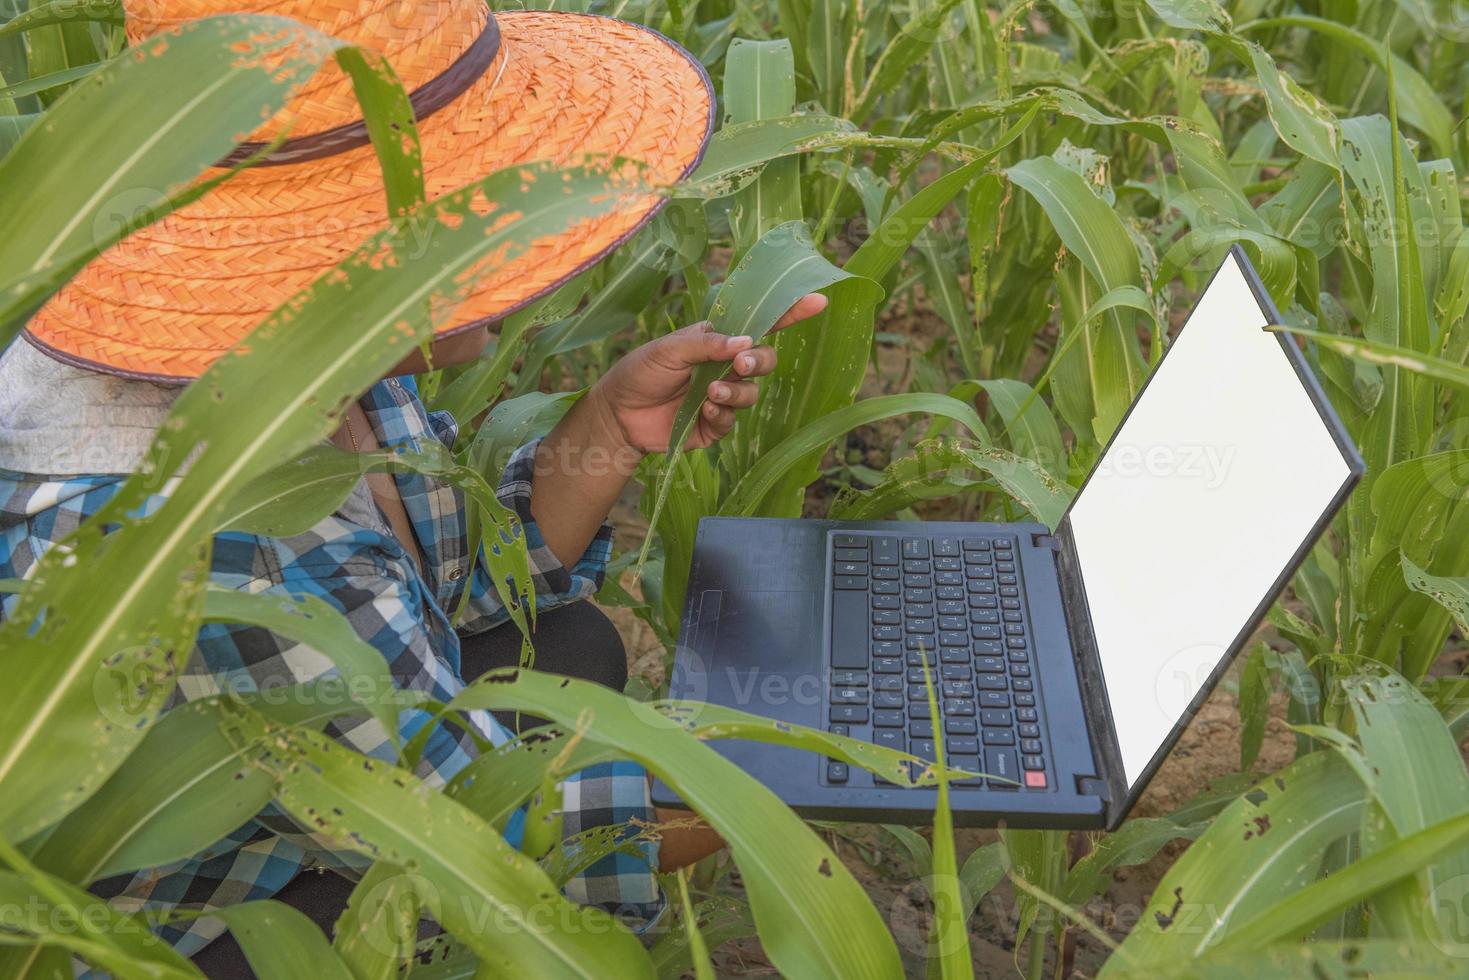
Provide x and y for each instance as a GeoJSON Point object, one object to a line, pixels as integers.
{"type": "Point", "coordinates": [489, 90]}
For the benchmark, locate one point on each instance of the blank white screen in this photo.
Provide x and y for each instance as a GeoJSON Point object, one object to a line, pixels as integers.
{"type": "Point", "coordinates": [1212, 483]}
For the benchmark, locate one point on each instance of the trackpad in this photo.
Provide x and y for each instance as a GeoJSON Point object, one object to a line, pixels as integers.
{"type": "Point", "coordinates": [757, 651]}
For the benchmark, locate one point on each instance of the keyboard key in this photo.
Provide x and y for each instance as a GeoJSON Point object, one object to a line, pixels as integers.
{"type": "Point", "coordinates": [1030, 746]}
{"type": "Point", "coordinates": [969, 763]}
{"type": "Point", "coordinates": [887, 665]}
{"type": "Point", "coordinates": [1033, 762]}
{"type": "Point", "coordinates": [916, 566]}
{"type": "Point", "coordinates": [849, 554]}
{"type": "Point", "coordinates": [886, 617]}
{"type": "Point", "coordinates": [849, 695]}
{"type": "Point", "coordinates": [958, 689]}
{"type": "Point", "coordinates": [980, 576]}
{"type": "Point", "coordinates": [851, 583]}
{"type": "Point", "coordinates": [1023, 684]}
{"type": "Point", "coordinates": [1015, 642]}
{"type": "Point", "coordinates": [1009, 603]}
{"type": "Point", "coordinates": [987, 648]}
{"type": "Point", "coordinates": [917, 581]}
{"type": "Point", "coordinates": [998, 736]}
{"type": "Point", "coordinates": [889, 738]}
{"type": "Point", "coordinates": [848, 629]}
{"type": "Point", "coordinates": [958, 707]}
{"type": "Point", "coordinates": [960, 726]}
{"type": "Point", "coordinates": [962, 746]}
{"type": "Point", "coordinates": [887, 718]}
{"type": "Point", "coordinates": [989, 665]}
{"type": "Point", "coordinates": [953, 639]}
{"type": "Point", "coordinates": [919, 710]}
{"type": "Point", "coordinates": [886, 602]}
{"type": "Point", "coordinates": [983, 601]}
{"type": "Point", "coordinates": [1030, 731]}
{"type": "Point", "coordinates": [1003, 544]}
{"type": "Point", "coordinates": [991, 682]}
{"type": "Point", "coordinates": [945, 546]}
{"type": "Point", "coordinates": [849, 541]}
{"type": "Point", "coordinates": [924, 626]}
{"type": "Point", "coordinates": [884, 682]}
{"type": "Point", "coordinates": [985, 631]}
{"type": "Point", "coordinates": [887, 633]}
{"type": "Point", "coordinates": [887, 699]}
{"type": "Point", "coordinates": [978, 558]}
{"type": "Point", "coordinates": [952, 623]}
{"type": "Point", "coordinates": [954, 672]}
{"type": "Point", "coordinates": [920, 729]}
{"type": "Point", "coordinates": [995, 718]}
{"type": "Point", "coordinates": [1005, 567]}
{"type": "Point", "coordinates": [849, 714]}
{"type": "Point", "coordinates": [839, 730]}
{"type": "Point", "coordinates": [850, 568]}
{"type": "Point", "coordinates": [954, 655]}
{"type": "Point", "coordinates": [994, 699]}
{"type": "Point", "coordinates": [1001, 765]}
{"type": "Point", "coordinates": [948, 565]}
{"type": "Point", "coordinates": [923, 748]}
{"type": "Point", "coordinates": [1025, 700]}
{"type": "Point", "coordinates": [915, 548]}
{"type": "Point", "coordinates": [1035, 780]}
{"type": "Point", "coordinates": [917, 595]}
{"type": "Point", "coordinates": [984, 616]}
{"type": "Point", "coordinates": [917, 692]}
{"type": "Point", "coordinates": [949, 592]}
{"type": "Point", "coordinates": [1025, 714]}
{"type": "Point", "coordinates": [884, 551]}
{"type": "Point", "coordinates": [1020, 670]}
{"type": "Point", "coordinates": [976, 544]}
{"type": "Point", "coordinates": [951, 607]}
{"type": "Point", "coordinates": [1006, 580]}
{"type": "Point", "coordinates": [948, 578]}
{"type": "Point", "coordinates": [849, 678]}
{"type": "Point", "coordinates": [836, 772]}
{"type": "Point", "coordinates": [920, 648]}
{"type": "Point", "coordinates": [886, 573]}
{"type": "Point", "coordinates": [1013, 629]}
{"type": "Point", "coordinates": [1009, 590]}
{"type": "Point", "coordinates": [886, 588]}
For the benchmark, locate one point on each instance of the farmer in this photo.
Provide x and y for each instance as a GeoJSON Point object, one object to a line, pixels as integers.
{"type": "Point", "coordinates": [101, 363]}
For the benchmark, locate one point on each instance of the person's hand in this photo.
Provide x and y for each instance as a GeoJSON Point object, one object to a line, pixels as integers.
{"type": "Point", "coordinates": [640, 395]}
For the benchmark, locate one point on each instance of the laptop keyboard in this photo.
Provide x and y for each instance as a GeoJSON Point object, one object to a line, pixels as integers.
{"type": "Point", "coordinates": [958, 602]}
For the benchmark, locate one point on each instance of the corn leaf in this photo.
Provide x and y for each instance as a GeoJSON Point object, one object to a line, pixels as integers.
{"type": "Point", "coordinates": [814, 919]}
{"type": "Point", "coordinates": [493, 897]}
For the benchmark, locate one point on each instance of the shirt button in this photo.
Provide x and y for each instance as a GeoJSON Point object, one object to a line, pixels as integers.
{"type": "Point", "coordinates": [456, 575]}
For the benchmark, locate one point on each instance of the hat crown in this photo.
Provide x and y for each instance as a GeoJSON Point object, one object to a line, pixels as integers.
{"type": "Point", "coordinates": [420, 38]}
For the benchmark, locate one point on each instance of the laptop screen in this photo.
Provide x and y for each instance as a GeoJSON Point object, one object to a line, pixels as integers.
{"type": "Point", "coordinates": [1213, 486]}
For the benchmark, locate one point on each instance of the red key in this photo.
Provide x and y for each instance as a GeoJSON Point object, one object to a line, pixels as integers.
{"type": "Point", "coordinates": [1035, 780]}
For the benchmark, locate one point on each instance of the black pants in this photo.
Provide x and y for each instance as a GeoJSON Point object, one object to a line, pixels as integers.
{"type": "Point", "coordinates": [577, 640]}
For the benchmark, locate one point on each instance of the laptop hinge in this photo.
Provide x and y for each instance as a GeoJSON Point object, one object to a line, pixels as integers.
{"type": "Point", "coordinates": [1110, 784]}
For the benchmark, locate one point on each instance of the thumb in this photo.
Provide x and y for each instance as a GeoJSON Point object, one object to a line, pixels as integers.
{"type": "Point", "coordinates": [698, 344]}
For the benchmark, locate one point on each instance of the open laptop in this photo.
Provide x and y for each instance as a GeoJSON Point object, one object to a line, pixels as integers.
{"type": "Point", "coordinates": [1067, 663]}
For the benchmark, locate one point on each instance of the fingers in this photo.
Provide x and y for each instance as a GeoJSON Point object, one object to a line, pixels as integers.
{"type": "Point", "coordinates": [755, 363]}
{"type": "Point", "coordinates": [716, 421]}
{"type": "Point", "coordinates": [697, 344]}
{"type": "Point", "coordinates": [733, 394]}
{"type": "Point", "coordinates": [804, 308]}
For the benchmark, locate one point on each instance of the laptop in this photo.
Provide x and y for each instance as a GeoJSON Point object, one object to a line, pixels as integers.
{"type": "Point", "coordinates": [1066, 662]}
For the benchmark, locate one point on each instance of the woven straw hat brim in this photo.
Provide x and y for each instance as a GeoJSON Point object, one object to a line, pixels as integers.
{"type": "Point", "coordinates": [170, 299]}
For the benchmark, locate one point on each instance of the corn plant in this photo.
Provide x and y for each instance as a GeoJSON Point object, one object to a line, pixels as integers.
{"type": "Point", "coordinates": [1043, 185]}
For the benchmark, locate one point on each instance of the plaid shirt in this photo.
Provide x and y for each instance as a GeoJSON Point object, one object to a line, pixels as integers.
{"type": "Point", "coordinates": [352, 560]}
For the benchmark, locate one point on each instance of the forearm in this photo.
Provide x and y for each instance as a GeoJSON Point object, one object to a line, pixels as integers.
{"type": "Point", "coordinates": [582, 466]}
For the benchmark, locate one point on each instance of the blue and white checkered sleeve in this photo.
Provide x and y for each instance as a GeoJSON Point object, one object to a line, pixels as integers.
{"type": "Point", "coordinates": [555, 584]}
{"type": "Point", "coordinates": [625, 884]}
